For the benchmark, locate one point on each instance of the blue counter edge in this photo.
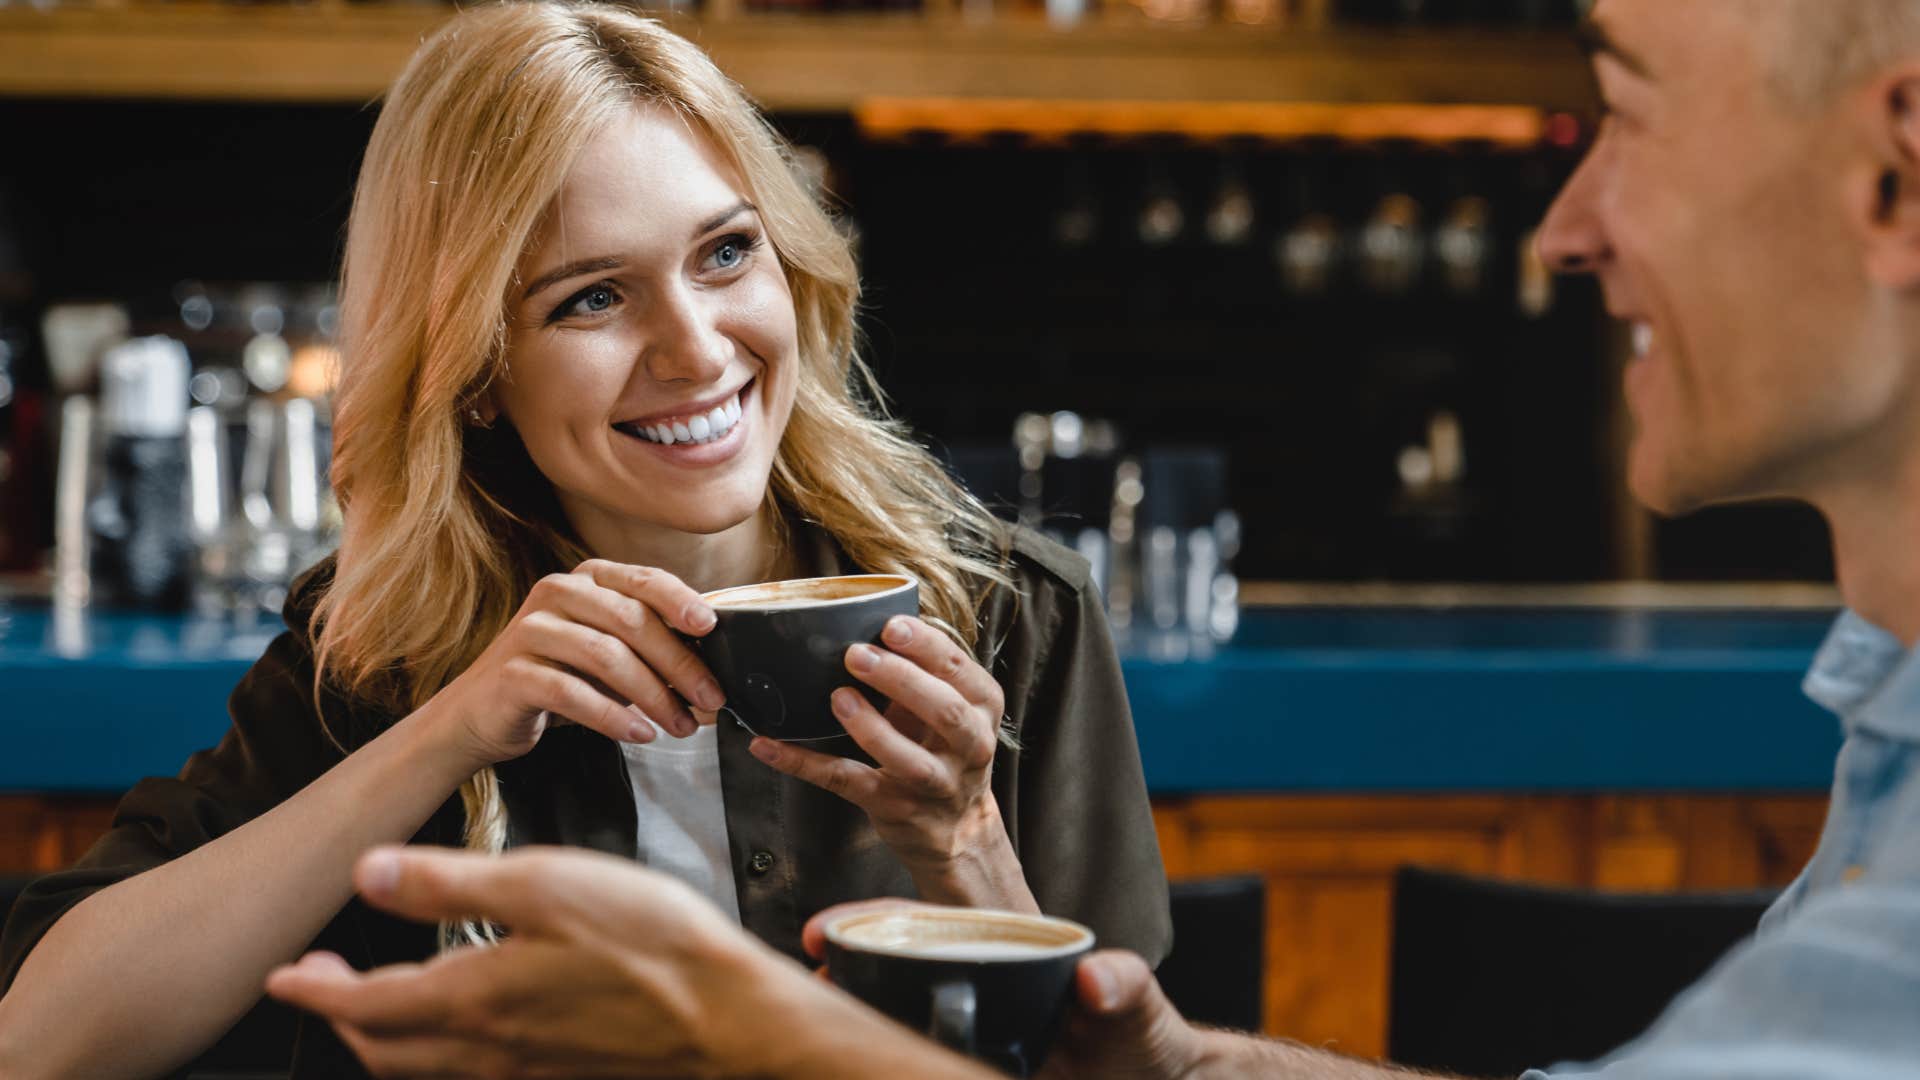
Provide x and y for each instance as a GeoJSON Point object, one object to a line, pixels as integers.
{"type": "Point", "coordinates": [1256, 719]}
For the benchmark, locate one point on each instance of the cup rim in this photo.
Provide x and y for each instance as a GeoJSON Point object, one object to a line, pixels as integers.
{"type": "Point", "coordinates": [901, 583]}
{"type": "Point", "coordinates": [1083, 940]}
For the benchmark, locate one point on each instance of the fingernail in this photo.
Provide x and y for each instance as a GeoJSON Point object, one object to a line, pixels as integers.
{"type": "Point", "coordinates": [379, 873]}
{"type": "Point", "coordinates": [700, 618]}
{"type": "Point", "coordinates": [684, 723]}
{"type": "Point", "coordinates": [842, 702]}
{"type": "Point", "coordinates": [899, 631]}
{"type": "Point", "coordinates": [863, 658]}
{"type": "Point", "coordinates": [1106, 989]}
{"type": "Point", "coordinates": [710, 696]}
{"type": "Point", "coordinates": [639, 730]}
{"type": "Point", "coordinates": [764, 749]}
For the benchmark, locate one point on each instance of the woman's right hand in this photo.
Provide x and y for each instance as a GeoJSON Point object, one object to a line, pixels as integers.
{"type": "Point", "coordinates": [583, 648]}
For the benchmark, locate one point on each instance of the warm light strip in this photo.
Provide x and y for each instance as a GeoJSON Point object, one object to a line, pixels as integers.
{"type": "Point", "coordinates": [1509, 125]}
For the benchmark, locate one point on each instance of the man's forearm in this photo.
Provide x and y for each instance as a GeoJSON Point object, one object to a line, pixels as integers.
{"type": "Point", "coordinates": [1230, 1054]}
{"type": "Point", "coordinates": [839, 1039]}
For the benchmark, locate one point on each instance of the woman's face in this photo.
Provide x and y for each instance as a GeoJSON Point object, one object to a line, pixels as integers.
{"type": "Point", "coordinates": [651, 349]}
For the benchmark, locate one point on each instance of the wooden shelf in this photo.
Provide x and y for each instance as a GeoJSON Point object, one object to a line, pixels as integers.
{"type": "Point", "coordinates": [338, 53]}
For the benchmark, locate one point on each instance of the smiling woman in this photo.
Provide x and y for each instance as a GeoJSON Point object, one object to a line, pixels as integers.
{"type": "Point", "coordinates": [598, 359]}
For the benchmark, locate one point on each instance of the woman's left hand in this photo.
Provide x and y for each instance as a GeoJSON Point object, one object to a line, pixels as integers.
{"type": "Point", "coordinates": [930, 799]}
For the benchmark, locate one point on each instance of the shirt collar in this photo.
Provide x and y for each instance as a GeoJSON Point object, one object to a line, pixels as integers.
{"type": "Point", "coordinates": [1866, 676]}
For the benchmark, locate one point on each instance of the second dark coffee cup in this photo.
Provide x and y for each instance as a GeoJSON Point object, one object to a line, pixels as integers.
{"type": "Point", "coordinates": [779, 648]}
{"type": "Point", "coordinates": [996, 985]}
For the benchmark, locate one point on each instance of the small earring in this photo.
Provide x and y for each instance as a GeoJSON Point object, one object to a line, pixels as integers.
{"type": "Point", "coordinates": [474, 415]}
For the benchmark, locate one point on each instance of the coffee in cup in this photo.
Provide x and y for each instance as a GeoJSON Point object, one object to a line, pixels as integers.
{"type": "Point", "coordinates": [996, 985]}
{"type": "Point", "coordinates": [779, 648]}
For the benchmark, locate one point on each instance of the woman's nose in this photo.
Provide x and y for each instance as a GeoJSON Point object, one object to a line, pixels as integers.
{"type": "Point", "coordinates": [685, 343]}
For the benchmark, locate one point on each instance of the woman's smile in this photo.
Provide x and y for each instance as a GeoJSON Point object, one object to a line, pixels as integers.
{"type": "Point", "coordinates": [702, 434]}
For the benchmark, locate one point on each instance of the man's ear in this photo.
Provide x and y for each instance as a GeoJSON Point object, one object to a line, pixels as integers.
{"type": "Point", "coordinates": [1887, 199]}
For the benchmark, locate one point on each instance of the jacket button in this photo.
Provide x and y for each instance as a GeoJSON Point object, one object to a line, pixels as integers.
{"type": "Point", "coordinates": [762, 861]}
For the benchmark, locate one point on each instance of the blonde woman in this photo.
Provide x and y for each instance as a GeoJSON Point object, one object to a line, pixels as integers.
{"type": "Point", "coordinates": [599, 360]}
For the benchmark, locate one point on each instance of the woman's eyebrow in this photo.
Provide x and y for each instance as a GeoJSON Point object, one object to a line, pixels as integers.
{"type": "Point", "coordinates": [724, 216]}
{"type": "Point", "coordinates": [573, 269]}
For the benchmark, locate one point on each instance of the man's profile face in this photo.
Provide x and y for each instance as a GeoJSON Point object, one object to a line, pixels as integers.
{"type": "Point", "coordinates": [1712, 212]}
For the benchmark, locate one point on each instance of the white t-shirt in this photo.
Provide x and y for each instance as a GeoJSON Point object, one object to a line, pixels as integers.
{"type": "Point", "coordinates": [683, 823]}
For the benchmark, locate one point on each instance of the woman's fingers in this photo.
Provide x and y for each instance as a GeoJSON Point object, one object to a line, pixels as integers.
{"type": "Point", "coordinates": [942, 657]}
{"type": "Point", "coordinates": [674, 599]}
{"type": "Point", "coordinates": [906, 761]}
{"type": "Point", "coordinates": [562, 692]}
{"type": "Point", "coordinates": [649, 634]}
{"type": "Point", "coordinates": [853, 781]}
{"type": "Point", "coordinates": [603, 657]}
{"type": "Point", "coordinates": [966, 727]}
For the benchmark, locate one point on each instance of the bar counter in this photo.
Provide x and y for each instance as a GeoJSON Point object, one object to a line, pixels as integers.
{"type": "Point", "coordinates": [1360, 699]}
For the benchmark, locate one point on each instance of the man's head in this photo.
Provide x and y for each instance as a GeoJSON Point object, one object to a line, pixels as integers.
{"type": "Point", "coordinates": [1752, 207]}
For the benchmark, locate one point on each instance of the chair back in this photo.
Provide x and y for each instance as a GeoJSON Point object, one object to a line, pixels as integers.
{"type": "Point", "coordinates": [1217, 970]}
{"type": "Point", "coordinates": [1490, 978]}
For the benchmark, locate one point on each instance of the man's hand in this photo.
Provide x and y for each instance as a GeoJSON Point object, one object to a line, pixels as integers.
{"type": "Point", "coordinates": [1124, 1027]}
{"type": "Point", "coordinates": [610, 970]}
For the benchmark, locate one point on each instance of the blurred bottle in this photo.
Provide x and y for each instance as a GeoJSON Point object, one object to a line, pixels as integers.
{"type": "Point", "coordinates": [26, 471]}
{"type": "Point", "coordinates": [1162, 219]}
{"type": "Point", "coordinates": [143, 554]}
{"type": "Point", "coordinates": [1076, 224]}
{"type": "Point", "coordinates": [26, 468]}
{"type": "Point", "coordinates": [1463, 246]}
{"type": "Point", "coordinates": [1309, 249]}
{"type": "Point", "coordinates": [1391, 247]}
{"type": "Point", "coordinates": [1231, 213]}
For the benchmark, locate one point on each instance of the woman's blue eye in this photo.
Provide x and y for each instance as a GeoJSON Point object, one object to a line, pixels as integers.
{"type": "Point", "coordinates": [591, 300]}
{"type": "Point", "coordinates": [731, 252]}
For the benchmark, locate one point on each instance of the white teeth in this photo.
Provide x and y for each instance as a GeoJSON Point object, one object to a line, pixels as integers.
{"type": "Point", "coordinates": [700, 428]}
{"type": "Point", "coordinates": [1642, 339]}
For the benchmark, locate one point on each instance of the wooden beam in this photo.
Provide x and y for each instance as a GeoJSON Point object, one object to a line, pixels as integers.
{"type": "Point", "coordinates": [349, 53]}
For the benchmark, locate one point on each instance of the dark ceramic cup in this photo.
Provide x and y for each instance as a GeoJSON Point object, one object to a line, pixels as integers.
{"type": "Point", "coordinates": [996, 985]}
{"type": "Point", "coordinates": [779, 649]}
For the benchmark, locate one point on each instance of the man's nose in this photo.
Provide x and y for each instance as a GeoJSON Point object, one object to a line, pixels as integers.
{"type": "Point", "coordinates": [685, 343]}
{"type": "Point", "coordinates": [1572, 238]}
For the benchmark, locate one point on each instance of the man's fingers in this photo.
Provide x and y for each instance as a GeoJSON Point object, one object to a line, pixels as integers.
{"type": "Point", "coordinates": [423, 1057]}
{"type": "Point", "coordinates": [401, 997]}
{"type": "Point", "coordinates": [430, 885]}
{"type": "Point", "coordinates": [813, 937]}
{"type": "Point", "coordinates": [1114, 983]}
{"type": "Point", "coordinates": [317, 982]}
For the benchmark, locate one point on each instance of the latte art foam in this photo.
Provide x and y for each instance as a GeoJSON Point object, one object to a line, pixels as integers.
{"type": "Point", "coordinates": [981, 950]}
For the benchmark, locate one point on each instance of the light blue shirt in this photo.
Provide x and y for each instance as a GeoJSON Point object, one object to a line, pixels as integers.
{"type": "Point", "coordinates": [1829, 986]}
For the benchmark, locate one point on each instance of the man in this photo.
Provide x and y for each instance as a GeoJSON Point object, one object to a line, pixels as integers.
{"type": "Point", "coordinates": [1752, 207]}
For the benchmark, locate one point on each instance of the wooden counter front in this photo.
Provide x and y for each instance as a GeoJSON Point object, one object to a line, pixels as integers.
{"type": "Point", "coordinates": [1328, 862]}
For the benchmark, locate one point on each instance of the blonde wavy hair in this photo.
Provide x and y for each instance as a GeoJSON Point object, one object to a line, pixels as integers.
{"type": "Point", "coordinates": [472, 143]}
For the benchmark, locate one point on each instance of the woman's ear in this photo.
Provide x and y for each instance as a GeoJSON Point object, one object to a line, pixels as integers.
{"type": "Point", "coordinates": [483, 412]}
{"type": "Point", "coordinates": [1892, 197]}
